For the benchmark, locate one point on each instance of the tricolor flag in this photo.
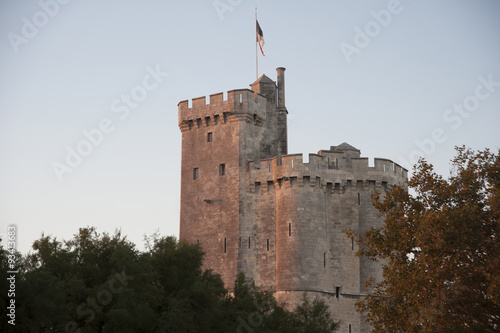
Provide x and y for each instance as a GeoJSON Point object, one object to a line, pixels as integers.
{"type": "Point", "coordinates": [260, 37]}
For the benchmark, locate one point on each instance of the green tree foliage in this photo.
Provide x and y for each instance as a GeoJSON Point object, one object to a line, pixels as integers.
{"type": "Point", "coordinates": [311, 318]}
{"type": "Point", "coordinates": [441, 250]}
{"type": "Point", "coordinates": [101, 283]}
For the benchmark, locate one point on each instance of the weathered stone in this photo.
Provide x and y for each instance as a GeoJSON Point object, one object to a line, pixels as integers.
{"type": "Point", "coordinates": [266, 213]}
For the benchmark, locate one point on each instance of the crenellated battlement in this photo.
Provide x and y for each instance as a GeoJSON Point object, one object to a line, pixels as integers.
{"type": "Point", "coordinates": [240, 102]}
{"type": "Point", "coordinates": [336, 169]}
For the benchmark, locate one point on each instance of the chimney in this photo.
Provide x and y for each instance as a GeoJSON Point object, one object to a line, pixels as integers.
{"type": "Point", "coordinates": [281, 87]}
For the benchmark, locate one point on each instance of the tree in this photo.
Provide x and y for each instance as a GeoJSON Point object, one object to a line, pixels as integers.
{"type": "Point", "coordinates": [100, 283]}
{"type": "Point", "coordinates": [440, 250]}
{"type": "Point", "coordinates": [312, 317]}
{"type": "Point", "coordinates": [257, 310]}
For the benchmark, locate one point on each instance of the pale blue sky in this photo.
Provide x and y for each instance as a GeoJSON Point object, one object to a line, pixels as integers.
{"type": "Point", "coordinates": [64, 78]}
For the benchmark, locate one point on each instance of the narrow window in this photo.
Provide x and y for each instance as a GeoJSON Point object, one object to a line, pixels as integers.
{"type": "Point", "coordinates": [352, 244]}
{"type": "Point", "coordinates": [324, 259]}
{"type": "Point", "coordinates": [207, 121]}
{"type": "Point", "coordinates": [225, 118]}
{"type": "Point", "coordinates": [239, 242]}
{"type": "Point", "coordinates": [270, 186]}
{"type": "Point", "coordinates": [289, 229]}
{"type": "Point", "coordinates": [224, 244]}
{"type": "Point", "coordinates": [257, 187]}
{"type": "Point", "coordinates": [198, 122]}
{"type": "Point", "coordinates": [268, 244]}
{"type": "Point", "coordinates": [216, 119]}
{"type": "Point", "coordinates": [209, 137]}
{"type": "Point", "coordinates": [195, 173]}
{"type": "Point", "coordinates": [248, 242]}
{"type": "Point", "coordinates": [359, 200]}
{"type": "Point", "coordinates": [254, 118]}
{"type": "Point", "coordinates": [350, 328]}
{"type": "Point", "coordinates": [337, 291]}
{"type": "Point", "coordinates": [222, 169]}
{"type": "Point", "coordinates": [190, 124]}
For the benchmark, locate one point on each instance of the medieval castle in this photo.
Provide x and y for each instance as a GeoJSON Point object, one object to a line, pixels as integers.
{"type": "Point", "coordinates": [256, 209]}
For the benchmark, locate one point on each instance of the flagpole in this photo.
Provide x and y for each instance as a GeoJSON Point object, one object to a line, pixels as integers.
{"type": "Point", "coordinates": [256, 52]}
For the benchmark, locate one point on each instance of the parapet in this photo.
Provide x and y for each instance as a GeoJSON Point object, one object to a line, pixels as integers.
{"type": "Point", "coordinates": [329, 167]}
{"type": "Point", "coordinates": [239, 102]}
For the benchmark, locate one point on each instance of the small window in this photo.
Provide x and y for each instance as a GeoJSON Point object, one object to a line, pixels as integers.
{"type": "Point", "coordinates": [198, 122]}
{"type": "Point", "coordinates": [268, 244]}
{"type": "Point", "coordinates": [209, 137]}
{"type": "Point", "coordinates": [222, 169]}
{"type": "Point", "coordinates": [352, 244]}
{"type": "Point", "coordinates": [216, 119]}
{"type": "Point", "coordinates": [190, 124]}
{"type": "Point", "coordinates": [350, 328]}
{"type": "Point", "coordinates": [225, 245]}
{"type": "Point", "coordinates": [359, 199]}
{"type": "Point", "coordinates": [239, 242]}
{"type": "Point", "coordinates": [196, 173]}
{"type": "Point", "coordinates": [207, 121]}
{"type": "Point", "coordinates": [324, 259]}
{"type": "Point", "coordinates": [289, 229]}
{"type": "Point", "coordinates": [248, 242]}
{"type": "Point", "coordinates": [225, 118]}
{"type": "Point", "coordinates": [337, 291]}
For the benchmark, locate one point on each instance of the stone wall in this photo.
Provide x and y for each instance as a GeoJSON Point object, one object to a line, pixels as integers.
{"type": "Point", "coordinates": [268, 214]}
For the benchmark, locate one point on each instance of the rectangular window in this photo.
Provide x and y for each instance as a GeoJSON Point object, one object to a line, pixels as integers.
{"type": "Point", "coordinates": [209, 137]}
{"type": "Point", "coordinates": [257, 187]}
{"type": "Point", "coordinates": [359, 199]}
{"type": "Point", "coordinates": [216, 119]}
{"type": "Point", "coordinates": [225, 117]}
{"type": "Point", "coordinates": [207, 121]}
{"type": "Point", "coordinates": [224, 244]}
{"type": "Point", "coordinates": [289, 229]}
{"type": "Point", "coordinates": [352, 244]}
{"type": "Point", "coordinates": [324, 259]}
{"type": "Point", "coordinates": [248, 242]}
{"type": "Point", "coordinates": [198, 122]}
{"type": "Point", "coordinates": [196, 173]}
{"type": "Point", "coordinates": [350, 328]}
{"type": "Point", "coordinates": [239, 242]}
{"type": "Point", "coordinates": [337, 291]}
{"type": "Point", "coordinates": [268, 244]}
{"type": "Point", "coordinates": [222, 169]}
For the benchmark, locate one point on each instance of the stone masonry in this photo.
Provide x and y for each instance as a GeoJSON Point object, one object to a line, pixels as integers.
{"type": "Point", "coordinates": [254, 208]}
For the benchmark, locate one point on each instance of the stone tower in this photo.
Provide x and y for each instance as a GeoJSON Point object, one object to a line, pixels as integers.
{"type": "Point", "coordinates": [283, 222]}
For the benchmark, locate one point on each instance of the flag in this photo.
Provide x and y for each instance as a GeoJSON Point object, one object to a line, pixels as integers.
{"type": "Point", "coordinates": [260, 37]}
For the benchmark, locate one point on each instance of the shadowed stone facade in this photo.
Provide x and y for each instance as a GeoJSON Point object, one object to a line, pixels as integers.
{"type": "Point", "coordinates": [281, 221]}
